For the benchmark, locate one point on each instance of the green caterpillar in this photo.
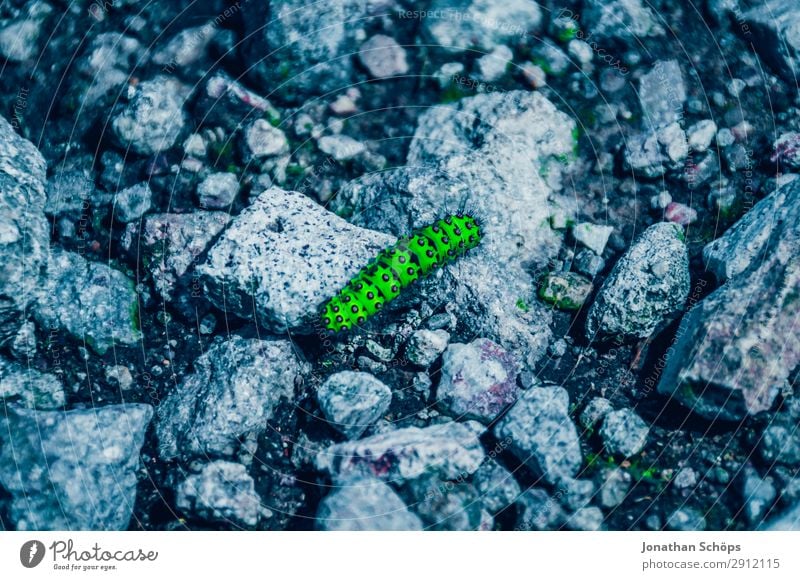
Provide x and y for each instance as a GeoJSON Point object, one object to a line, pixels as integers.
{"type": "Point", "coordinates": [398, 266]}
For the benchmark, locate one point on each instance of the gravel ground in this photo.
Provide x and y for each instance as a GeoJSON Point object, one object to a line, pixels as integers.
{"type": "Point", "coordinates": [184, 185]}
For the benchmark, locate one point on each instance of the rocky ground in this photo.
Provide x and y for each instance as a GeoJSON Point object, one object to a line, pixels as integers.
{"type": "Point", "coordinates": [184, 184]}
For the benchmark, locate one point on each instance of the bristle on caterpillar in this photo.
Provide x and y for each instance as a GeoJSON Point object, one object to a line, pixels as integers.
{"type": "Point", "coordinates": [398, 266]}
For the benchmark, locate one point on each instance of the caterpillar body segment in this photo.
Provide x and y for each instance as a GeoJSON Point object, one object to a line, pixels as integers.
{"type": "Point", "coordinates": [397, 267]}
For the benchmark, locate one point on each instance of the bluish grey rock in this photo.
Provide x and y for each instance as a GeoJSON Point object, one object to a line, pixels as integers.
{"type": "Point", "coordinates": [539, 511]}
{"type": "Point", "coordinates": [735, 350]}
{"type": "Point", "coordinates": [652, 153]}
{"type": "Point", "coordinates": [650, 282]}
{"type": "Point", "coordinates": [104, 67]}
{"type": "Point", "coordinates": [780, 444]}
{"type": "Point", "coordinates": [788, 521]}
{"type": "Point", "coordinates": [627, 20]}
{"type": "Point", "coordinates": [758, 494]}
{"type": "Point", "coordinates": [593, 236]}
{"type": "Point", "coordinates": [184, 48]}
{"type": "Point", "coordinates": [132, 202]}
{"type": "Point", "coordinates": [565, 290]}
{"type": "Point", "coordinates": [282, 256]}
{"type": "Point", "coordinates": [169, 245]}
{"type": "Point", "coordinates": [552, 57]}
{"type": "Point", "coordinates": [542, 434]}
{"type": "Point", "coordinates": [578, 493]}
{"type": "Point", "coordinates": [615, 487]}
{"type": "Point", "coordinates": [588, 519]}
{"type": "Point", "coordinates": [686, 478]}
{"type": "Point", "coordinates": [444, 504]}
{"type": "Point", "coordinates": [24, 233]}
{"type": "Point", "coordinates": [594, 412]}
{"type": "Point", "coordinates": [383, 57]}
{"type": "Point", "coordinates": [309, 48]}
{"type": "Point", "coordinates": [588, 263]}
{"type": "Point", "coordinates": [749, 240]}
{"type": "Point", "coordinates": [222, 492]}
{"type": "Point", "coordinates": [32, 388]}
{"type": "Point", "coordinates": [352, 401]}
{"type": "Point", "coordinates": [479, 24]}
{"type": "Point", "coordinates": [493, 66]}
{"type": "Point", "coordinates": [69, 192]}
{"type": "Point", "coordinates": [495, 485]}
{"type": "Point", "coordinates": [262, 140]}
{"type": "Point", "coordinates": [478, 381]}
{"type": "Point", "coordinates": [701, 135]}
{"type": "Point", "coordinates": [662, 94]}
{"type": "Point", "coordinates": [776, 34]}
{"type": "Point", "coordinates": [23, 345]}
{"type": "Point", "coordinates": [218, 190]}
{"type": "Point", "coordinates": [624, 432]}
{"type": "Point", "coordinates": [365, 504]}
{"type": "Point", "coordinates": [20, 37]}
{"type": "Point", "coordinates": [488, 153]}
{"type": "Point", "coordinates": [686, 519]}
{"type": "Point", "coordinates": [89, 300]}
{"type": "Point", "coordinates": [425, 346]}
{"type": "Point", "coordinates": [341, 147]}
{"type": "Point", "coordinates": [231, 394]}
{"type": "Point", "coordinates": [450, 449]}
{"type": "Point", "coordinates": [153, 117]}
{"type": "Point", "coordinates": [72, 470]}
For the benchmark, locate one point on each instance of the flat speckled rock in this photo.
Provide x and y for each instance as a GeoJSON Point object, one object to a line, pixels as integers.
{"type": "Point", "coordinates": [282, 257]}
{"type": "Point", "coordinates": [649, 282]}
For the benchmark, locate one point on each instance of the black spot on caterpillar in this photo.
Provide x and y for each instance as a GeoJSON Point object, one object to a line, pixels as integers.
{"type": "Point", "coordinates": [398, 266]}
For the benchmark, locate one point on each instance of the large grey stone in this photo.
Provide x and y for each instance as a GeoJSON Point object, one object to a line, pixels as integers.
{"type": "Point", "coordinates": [383, 57]}
{"type": "Point", "coordinates": [299, 48]}
{"type": "Point", "coordinates": [222, 492]}
{"type": "Point", "coordinates": [539, 510]}
{"type": "Point", "coordinates": [352, 401]}
{"type": "Point", "coordinates": [72, 470]}
{"type": "Point", "coordinates": [650, 282]}
{"type": "Point", "coordinates": [365, 504]}
{"type": "Point", "coordinates": [541, 433]}
{"type": "Point", "coordinates": [626, 20]}
{"type": "Point", "coordinates": [776, 33]}
{"type": "Point", "coordinates": [495, 485]}
{"type": "Point", "coordinates": [750, 239]}
{"type": "Point", "coordinates": [20, 37]}
{"type": "Point", "coordinates": [455, 26]}
{"type": "Point", "coordinates": [89, 300]}
{"type": "Point", "coordinates": [153, 118]}
{"type": "Point", "coordinates": [735, 350]}
{"type": "Point", "coordinates": [449, 449]}
{"type": "Point", "coordinates": [478, 381]}
{"type": "Point", "coordinates": [169, 245]}
{"type": "Point", "coordinates": [69, 192]}
{"type": "Point", "coordinates": [624, 432]}
{"type": "Point", "coordinates": [231, 394]}
{"type": "Point", "coordinates": [23, 227]}
{"type": "Point", "coordinates": [282, 257]}
{"type": "Point", "coordinates": [32, 388]}
{"type": "Point", "coordinates": [487, 153]}
{"type": "Point", "coordinates": [662, 94]}
{"type": "Point", "coordinates": [132, 202]}
{"type": "Point", "coordinates": [443, 504]}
